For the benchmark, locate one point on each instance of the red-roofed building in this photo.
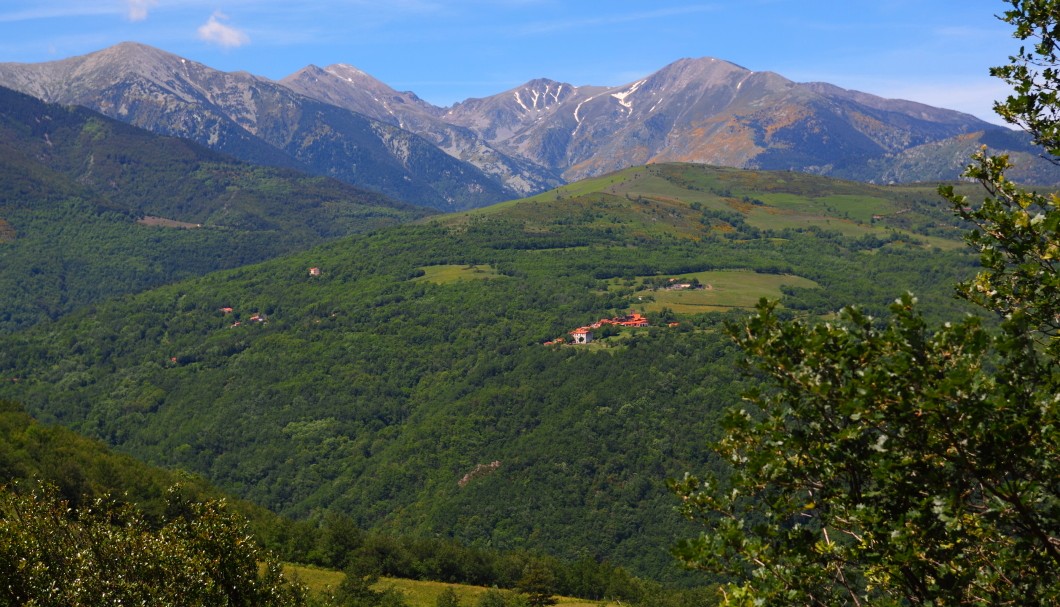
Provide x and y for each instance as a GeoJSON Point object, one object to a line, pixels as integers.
{"type": "Point", "coordinates": [634, 320]}
{"type": "Point", "coordinates": [582, 335]}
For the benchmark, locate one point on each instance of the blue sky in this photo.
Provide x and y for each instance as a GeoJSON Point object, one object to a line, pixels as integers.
{"type": "Point", "coordinates": [934, 51]}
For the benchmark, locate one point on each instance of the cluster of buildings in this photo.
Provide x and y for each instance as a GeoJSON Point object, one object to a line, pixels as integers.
{"type": "Point", "coordinates": [257, 317]}
{"type": "Point", "coordinates": [584, 335]}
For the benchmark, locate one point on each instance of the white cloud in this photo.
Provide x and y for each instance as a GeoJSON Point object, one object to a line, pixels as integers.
{"type": "Point", "coordinates": [138, 9]}
{"type": "Point", "coordinates": [217, 32]}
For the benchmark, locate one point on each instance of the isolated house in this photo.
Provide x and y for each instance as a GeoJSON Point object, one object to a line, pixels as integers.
{"type": "Point", "coordinates": [582, 335]}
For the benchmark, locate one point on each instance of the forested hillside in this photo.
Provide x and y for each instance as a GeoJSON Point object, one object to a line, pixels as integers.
{"type": "Point", "coordinates": [56, 482]}
{"type": "Point", "coordinates": [91, 207]}
{"type": "Point", "coordinates": [406, 385]}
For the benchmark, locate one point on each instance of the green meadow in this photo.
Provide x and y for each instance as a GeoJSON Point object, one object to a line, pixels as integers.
{"type": "Point", "coordinates": [416, 593]}
{"type": "Point", "coordinates": [448, 274]}
{"type": "Point", "coordinates": [722, 290]}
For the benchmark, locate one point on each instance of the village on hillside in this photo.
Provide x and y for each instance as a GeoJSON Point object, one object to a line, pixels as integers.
{"type": "Point", "coordinates": [584, 335]}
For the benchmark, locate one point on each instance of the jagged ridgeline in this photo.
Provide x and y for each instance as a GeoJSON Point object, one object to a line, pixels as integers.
{"type": "Point", "coordinates": [400, 376]}
{"type": "Point", "coordinates": [91, 207]}
{"type": "Point", "coordinates": [341, 122]}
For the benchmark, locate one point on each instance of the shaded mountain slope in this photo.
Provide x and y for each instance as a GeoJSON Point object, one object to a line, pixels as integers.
{"type": "Point", "coordinates": [347, 87]}
{"type": "Point", "coordinates": [934, 161]}
{"type": "Point", "coordinates": [256, 120]}
{"type": "Point", "coordinates": [77, 191]}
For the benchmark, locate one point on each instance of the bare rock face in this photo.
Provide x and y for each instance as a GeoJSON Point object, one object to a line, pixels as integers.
{"type": "Point", "coordinates": [709, 111]}
{"type": "Point", "coordinates": [348, 87]}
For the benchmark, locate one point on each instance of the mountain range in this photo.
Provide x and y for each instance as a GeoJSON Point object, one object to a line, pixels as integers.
{"type": "Point", "coordinates": [256, 120]}
{"type": "Point", "coordinates": [341, 122]}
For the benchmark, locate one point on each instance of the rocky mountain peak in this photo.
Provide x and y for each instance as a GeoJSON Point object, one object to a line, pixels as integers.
{"type": "Point", "coordinates": [710, 74]}
{"type": "Point", "coordinates": [702, 68]}
{"type": "Point", "coordinates": [541, 94]}
{"type": "Point", "coordinates": [348, 87]}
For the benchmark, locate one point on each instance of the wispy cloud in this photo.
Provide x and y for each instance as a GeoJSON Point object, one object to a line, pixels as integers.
{"type": "Point", "coordinates": [51, 12]}
{"type": "Point", "coordinates": [567, 24]}
{"type": "Point", "coordinates": [970, 94]}
{"type": "Point", "coordinates": [976, 98]}
{"type": "Point", "coordinates": [216, 31]}
{"type": "Point", "coordinates": [138, 9]}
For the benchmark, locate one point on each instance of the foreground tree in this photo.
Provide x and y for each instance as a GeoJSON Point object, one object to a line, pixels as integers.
{"type": "Point", "coordinates": [891, 463]}
{"type": "Point", "coordinates": [107, 554]}
{"type": "Point", "coordinates": [537, 584]}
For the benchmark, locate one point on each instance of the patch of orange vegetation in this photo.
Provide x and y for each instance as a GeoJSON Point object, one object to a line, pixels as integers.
{"type": "Point", "coordinates": [591, 166]}
{"type": "Point", "coordinates": [719, 140]}
{"type": "Point", "coordinates": [7, 231]}
{"type": "Point", "coordinates": [739, 205]}
{"type": "Point", "coordinates": [784, 117]}
{"type": "Point", "coordinates": [868, 122]}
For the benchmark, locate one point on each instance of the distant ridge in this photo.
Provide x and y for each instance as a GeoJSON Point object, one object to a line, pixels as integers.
{"type": "Point", "coordinates": [348, 87]}
{"type": "Point", "coordinates": [258, 120]}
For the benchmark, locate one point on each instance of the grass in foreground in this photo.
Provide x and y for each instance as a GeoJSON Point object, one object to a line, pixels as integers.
{"type": "Point", "coordinates": [416, 593]}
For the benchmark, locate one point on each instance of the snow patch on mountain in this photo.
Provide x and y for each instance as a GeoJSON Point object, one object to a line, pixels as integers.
{"type": "Point", "coordinates": [348, 68]}
{"type": "Point", "coordinates": [579, 107]}
{"type": "Point", "coordinates": [519, 100]}
{"type": "Point", "coordinates": [626, 93]}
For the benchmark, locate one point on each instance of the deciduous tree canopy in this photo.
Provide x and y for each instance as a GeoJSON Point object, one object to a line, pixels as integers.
{"type": "Point", "coordinates": [895, 463]}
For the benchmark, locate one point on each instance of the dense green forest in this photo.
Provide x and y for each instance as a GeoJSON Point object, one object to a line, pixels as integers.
{"type": "Point", "coordinates": [90, 208]}
{"type": "Point", "coordinates": [65, 482]}
{"type": "Point", "coordinates": [406, 386]}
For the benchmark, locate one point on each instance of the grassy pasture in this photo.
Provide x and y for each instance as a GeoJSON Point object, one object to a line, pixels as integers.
{"type": "Point", "coordinates": [617, 179]}
{"type": "Point", "coordinates": [416, 593]}
{"type": "Point", "coordinates": [859, 208]}
{"type": "Point", "coordinates": [447, 274]}
{"type": "Point", "coordinates": [771, 218]}
{"type": "Point", "coordinates": [725, 289]}
{"type": "Point", "coordinates": [670, 199]}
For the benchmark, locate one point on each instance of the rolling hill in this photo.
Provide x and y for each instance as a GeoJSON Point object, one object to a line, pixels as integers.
{"type": "Point", "coordinates": [407, 385]}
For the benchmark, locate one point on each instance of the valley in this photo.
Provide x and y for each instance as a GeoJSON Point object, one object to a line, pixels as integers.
{"type": "Point", "coordinates": [430, 334]}
{"type": "Point", "coordinates": [707, 336]}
